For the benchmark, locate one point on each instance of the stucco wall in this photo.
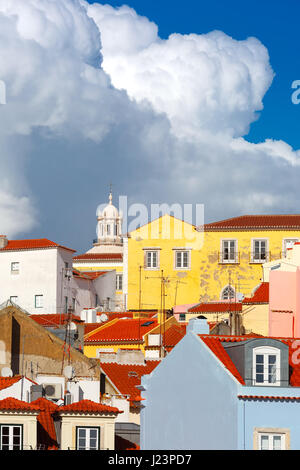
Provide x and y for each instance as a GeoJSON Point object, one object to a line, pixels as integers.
{"type": "Point", "coordinates": [190, 401]}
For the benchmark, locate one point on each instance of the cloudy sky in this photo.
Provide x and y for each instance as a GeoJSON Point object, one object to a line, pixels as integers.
{"type": "Point", "coordinates": [176, 103]}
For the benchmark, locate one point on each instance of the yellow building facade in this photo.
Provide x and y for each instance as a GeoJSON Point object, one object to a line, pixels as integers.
{"type": "Point", "coordinates": [171, 262]}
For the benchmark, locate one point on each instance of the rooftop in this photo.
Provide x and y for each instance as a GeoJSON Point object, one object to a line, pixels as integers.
{"type": "Point", "coordinates": [33, 244]}
{"type": "Point", "coordinates": [256, 222]}
{"type": "Point", "coordinates": [121, 330]}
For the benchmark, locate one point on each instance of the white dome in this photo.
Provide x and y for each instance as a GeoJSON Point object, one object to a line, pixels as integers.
{"type": "Point", "coordinates": [109, 211]}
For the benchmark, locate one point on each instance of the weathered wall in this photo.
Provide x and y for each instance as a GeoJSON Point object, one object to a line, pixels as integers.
{"type": "Point", "coordinates": [31, 349]}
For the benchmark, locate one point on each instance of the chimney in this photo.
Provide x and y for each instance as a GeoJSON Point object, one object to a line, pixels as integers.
{"type": "Point", "coordinates": [198, 325]}
{"type": "Point", "coordinates": [3, 241]}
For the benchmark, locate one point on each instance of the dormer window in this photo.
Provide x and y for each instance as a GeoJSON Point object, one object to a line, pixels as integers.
{"type": "Point", "coordinates": [266, 366]}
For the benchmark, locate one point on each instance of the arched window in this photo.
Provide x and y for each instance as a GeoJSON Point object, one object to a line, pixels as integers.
{"type": "Point", "coordinates": [228, 293]}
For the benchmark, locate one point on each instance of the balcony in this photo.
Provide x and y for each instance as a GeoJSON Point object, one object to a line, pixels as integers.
{"type": "Point", "coordinates": [257, 257]}
{"type": "Point", "coordinates": [232, 257]}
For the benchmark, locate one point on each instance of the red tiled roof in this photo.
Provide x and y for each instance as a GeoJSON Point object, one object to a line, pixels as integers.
{"type": "Point", "coordinates": [54, 320]}
{"type": "Point", "coordinates": [125, 377]}
{"type": "Point", "coordinates": [92, 274]}
{"type": "Point", "coordinates": [173, 335]}
{"type": "Point", "coordinates": [88, 327]}
{"type": "Point", "coordinates": [267, 397]}
{"type": "Point", "coordinates": [122, 330]}
{"type": "Point", "coordinates": [12, 404]}
{"type": "Point", "coordinates": [33, 244]}
{"type": "Point", "coordinates": [261, 295]}
{"type": "Point", "coordinates": [99, 256]}
{"type": "Point", "coordinates": [216, 307]}
{"type": "Point", "coordinates": [258, 222]}
{"type": "Point", "coordinates": [88, 406]}
{"type": "Point", "coordinates": [6, 382]}
{"type": "Point", "coordinates": [123, 444]}
{"type": "Point", "coordinates": [215, 345]}
{"type": "Point", "coordinates": [46, 434]}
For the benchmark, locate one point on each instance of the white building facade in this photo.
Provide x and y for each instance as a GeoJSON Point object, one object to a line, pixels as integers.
{"type": "Point", "coordinates": [38, 276]}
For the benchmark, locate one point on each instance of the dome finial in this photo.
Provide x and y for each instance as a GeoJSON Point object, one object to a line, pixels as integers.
{"type": "Point", "coordinates": [110, 194]}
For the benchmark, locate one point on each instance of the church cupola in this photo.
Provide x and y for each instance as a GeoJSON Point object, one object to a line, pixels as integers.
{"type": "Point", "coordinates": [109, 227]}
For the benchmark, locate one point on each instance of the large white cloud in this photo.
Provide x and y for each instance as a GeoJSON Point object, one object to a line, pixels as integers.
{"type": "Point", "coordinates": [172, 113]}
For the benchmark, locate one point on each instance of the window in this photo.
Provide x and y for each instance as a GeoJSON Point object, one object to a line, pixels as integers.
{"type": "Point", "coordinates": [266, 366]}
{"type": "Point", "coordinates": [10, 437]}
{"type": "Point", "coordinates": [288, 243]}
{"type": "Point", "coordinates": [228, 293]}
{"type": "Point", "coordinates": [182, 317]}
{"type": "Point", "coordinates": [14, 267]}
{"type": "Point", "coordinates": [182, 259]}
{"type": "Point", "coordinates": [151, 260]}
{"type": "Point", "coordinates": [88, 438]}
{"type": "Point", "coordinates": [271, 439]}
{"type": "Point", "coordinates": [73, 304]}
{"type": "Point", "coordinates": [259, 251]}
{"type": "Point", "coordinates": [38, 301]}
{"type": "Point", "coordinates": [229, 251]}
{"type": "Point", "coordinates": [119, 281]}
{"type": "Point", "coordinates": [108, 229]}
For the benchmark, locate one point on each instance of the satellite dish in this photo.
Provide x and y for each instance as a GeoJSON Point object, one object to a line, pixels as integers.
{"type": "Point", "coordinates": [68, 372]}
{"type": "Point", "coordinates": [6, 372]}
{"type": "Point", "coordinates": [103, 317]}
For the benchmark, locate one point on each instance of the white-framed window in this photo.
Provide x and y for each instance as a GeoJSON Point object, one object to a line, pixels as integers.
{"type": "Point", "coordinates": [271, 439]}
{"type": "Point", "coordinates": [11, 437]}
{"type": "Point", "coordinates": [15, 267]}
{"type": "Point", "coordinates": [260, 253]}
{"type": "Point", "coordinates": [87, 438]}
{"type": "Point", "coordinates": [38, 301]}
{"type": "Point", "coordinates": [228, 293]}
{"type": "Point", "coordinates": [182, 317]}
{"type": "Point", "coordinates": [119, 281]}
{"type": "Point", "coordinates": [266, 366]}
{"type": "Point", "coordinates": [151, 259]}
{"type": "Point", "coordinates": [14, 299]}
{"type": "Point", "coordinates": [288, 243]}
{"type": "Point", "coordinates": [229, 251]}
{"type": "Point", "coordinates": [182, 259]}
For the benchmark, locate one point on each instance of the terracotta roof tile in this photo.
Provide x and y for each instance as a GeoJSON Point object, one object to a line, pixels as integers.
{"type": "Point", "coordinates": [54, 320]}
{"type": "Point", "coordinates": [12, 404]}
{"type": "Point", "coordinates": [216, 307]}
{"type": "Point", "coordinates": [88, 406]}
{"type": "Point", "coordinates": [125, 377]}
{"type": "Point", "coordinates": [6, 382]}
{"type": "Point", "coordinates": [261, 295]}
{"type": "Point", "coordinates": [215, 345]}
{"type": "Point", "coordinates": [32, 244]}
{"type": "Point", "coordinates": [99, 256]}
{"type": "Point", "coordinates": [46, 434]}
{"type": "Point", "coordinates": [122, 330]}
{"type": "Point", "coordinates": [244, 222]}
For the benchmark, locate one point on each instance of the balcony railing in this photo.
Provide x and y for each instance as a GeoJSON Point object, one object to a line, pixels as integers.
{"type": "Point", "coordinates": [260, 257]}
{"type": "Point", "coordinates": [229, 257]}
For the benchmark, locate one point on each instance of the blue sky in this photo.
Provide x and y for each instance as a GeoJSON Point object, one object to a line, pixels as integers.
{"type": "Point", "coordinates": [275, 23]}
{"type": "Point", "coordinates": [162, 118]}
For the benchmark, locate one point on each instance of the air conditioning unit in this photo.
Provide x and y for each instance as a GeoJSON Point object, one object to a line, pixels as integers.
{"type": "Point", "coordinates": [52, 391]}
